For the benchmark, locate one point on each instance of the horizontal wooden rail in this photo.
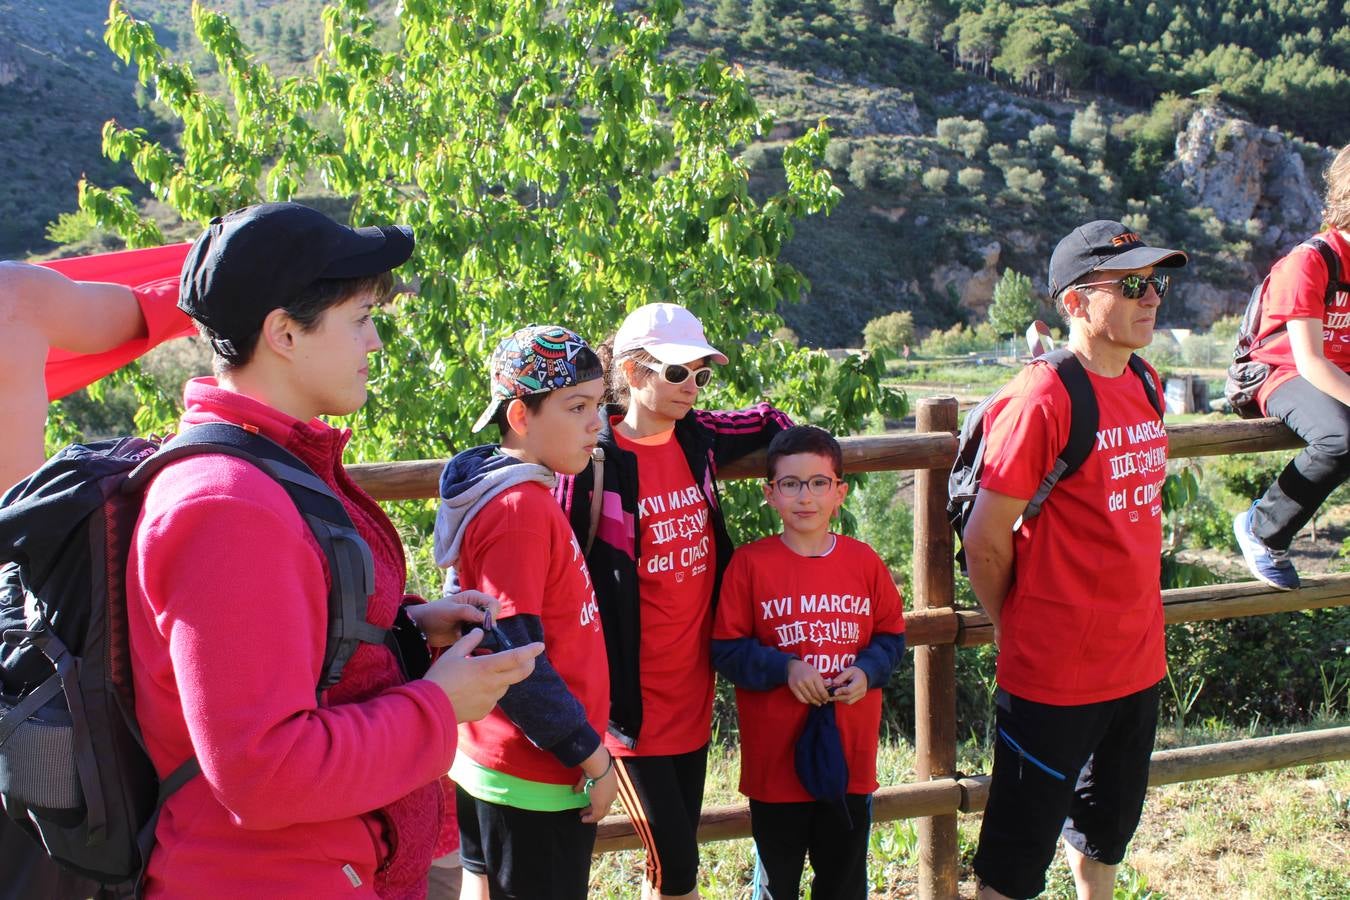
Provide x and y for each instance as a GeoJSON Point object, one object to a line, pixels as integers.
{"type": "Point", "coordinates": [970, 627]}
{"type": "Point", "coordinates": [419, 479]}
{"type": "Point", "coordinates": [969, 793]}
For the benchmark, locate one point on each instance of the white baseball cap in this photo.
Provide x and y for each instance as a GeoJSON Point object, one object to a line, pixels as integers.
{"type": "Point", "coordinates": [668, 332]}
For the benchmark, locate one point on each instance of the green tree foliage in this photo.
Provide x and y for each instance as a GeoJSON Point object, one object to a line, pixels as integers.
{"type": "Point", "coordinates": [554, 164]}
{"type": "Point", "coordinates": [1088, 131]}
{"type": "Point", "coordinates": [971, 178]}
{"type": "Point", "coordinates": [959, 339]}
{"type": "Point", "coordinates": [1014, 305]}
{"type": "Point", "coordinates": [1281, 62]}
{"type": "Point", "coordinates": [936, 179]}
{"type": "Point", "coordinates": [965, 135]}
{"type": "Point", "coordinates": [730, 15]}
{"type": "Point", "coordinates": [890, 333]}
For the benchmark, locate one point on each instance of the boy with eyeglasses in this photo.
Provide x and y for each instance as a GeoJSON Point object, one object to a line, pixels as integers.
{"type": "Point", "coordinates": [1073, 592]}
{"type": "Point", "coordinates": [808, 620]}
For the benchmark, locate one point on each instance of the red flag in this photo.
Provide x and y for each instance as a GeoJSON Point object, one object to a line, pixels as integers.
{"type": "Point", "coordinates": [152, 274]}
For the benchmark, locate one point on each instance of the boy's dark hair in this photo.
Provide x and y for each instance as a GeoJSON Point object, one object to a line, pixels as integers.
{"type": "Point", "coordinates": [305, 308]}
{"type": "Point", "coordinates": [805, 439]}
{"type": "Point", "coordinates": [532, 403]}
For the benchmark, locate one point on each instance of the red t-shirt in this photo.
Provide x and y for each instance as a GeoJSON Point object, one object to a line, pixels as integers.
{"type": "Point", "coordinates": [521, 550]}
{"type": "Point", "coordinates": [1297, 290]}
{"type": "Point", "coordinates": [1083, 621]}
{"type": "Point", "coordinates": [676, 568]}
{"type": "Point", "coordinates": [823, 610]}
{"type": "Point", "coordinates": [152, 274]}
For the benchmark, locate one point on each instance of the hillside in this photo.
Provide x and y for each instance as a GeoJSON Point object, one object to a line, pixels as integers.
{"type": "Point", "coordinates": [968, 136]}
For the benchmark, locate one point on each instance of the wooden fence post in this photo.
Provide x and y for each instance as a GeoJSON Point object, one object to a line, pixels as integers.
{"type": "Point", "coordinates": [934, 666]}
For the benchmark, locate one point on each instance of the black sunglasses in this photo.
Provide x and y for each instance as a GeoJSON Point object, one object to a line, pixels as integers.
{"type": "Point", "coordinates": [672, 373]}
{"type": "Point", "coordinates": [1132, 287]}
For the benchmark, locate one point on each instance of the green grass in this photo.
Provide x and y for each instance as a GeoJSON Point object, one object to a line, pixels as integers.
{"type": "Point", "coordinates": [1279, 834]}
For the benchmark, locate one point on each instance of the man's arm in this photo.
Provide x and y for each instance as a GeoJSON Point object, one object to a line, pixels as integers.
{"type": "Point", "coordinates": [988, 541]}
{"type": "Point", "coordinates": [1305, 340]}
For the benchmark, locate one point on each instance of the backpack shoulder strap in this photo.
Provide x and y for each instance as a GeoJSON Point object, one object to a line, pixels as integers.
{"type": "Point", "coordinates": [597, 497]}
{"type": "Point", "coordinates": [350, 563]}
{"type": "Point", "coordinates": [1140, 369]}
{"type": "Point", "coordinates": [1082, 423]}
{"type": "Point", "coordinates": [1333, 263]}
{"type": "Point", "coordinates": [1083, 403]}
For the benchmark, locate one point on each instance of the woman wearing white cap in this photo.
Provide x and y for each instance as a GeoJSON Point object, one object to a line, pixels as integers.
{"type": "Point", "coordinates": [656, 553]}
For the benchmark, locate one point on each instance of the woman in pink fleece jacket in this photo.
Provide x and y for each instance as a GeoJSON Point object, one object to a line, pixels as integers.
{"type": "Point", "coordinates": [228, 597]}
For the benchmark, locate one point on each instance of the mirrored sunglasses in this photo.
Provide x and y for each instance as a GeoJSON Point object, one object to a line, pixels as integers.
{"type": "Point", "coordinates": [1132, 287]}
{"type": "Point", "coordinates": [672, 373]}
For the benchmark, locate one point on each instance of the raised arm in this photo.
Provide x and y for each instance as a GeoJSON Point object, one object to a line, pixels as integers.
{"type": "Point", "coordinates": [79, 316]}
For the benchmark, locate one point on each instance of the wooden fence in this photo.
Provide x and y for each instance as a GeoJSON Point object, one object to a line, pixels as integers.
{"type": "Point", "coordinates": [935, 629]}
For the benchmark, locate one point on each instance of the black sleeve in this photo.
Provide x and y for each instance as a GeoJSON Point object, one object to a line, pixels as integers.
{"type": "Point", "coordinates": [747, 663]}
{"type": "Point", "coordinates": [541, 706]}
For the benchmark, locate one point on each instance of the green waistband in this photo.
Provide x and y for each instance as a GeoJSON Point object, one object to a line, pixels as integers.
{"type": "Point", "coordinates": [492, 786]}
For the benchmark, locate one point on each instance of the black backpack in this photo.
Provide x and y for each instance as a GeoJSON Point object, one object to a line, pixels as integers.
{"type": "Point", "coordinates": [964, 481]}
{"type": "Point", "coordinates": [73, 768]}
{"type": "Point", "coordinates": [1246, 375]}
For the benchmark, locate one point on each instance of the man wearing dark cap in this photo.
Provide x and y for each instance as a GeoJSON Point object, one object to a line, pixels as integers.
{"type": "Point", "coordinates": [1073, 592]}
{"type": "Point", "coordinates": [227, 596]}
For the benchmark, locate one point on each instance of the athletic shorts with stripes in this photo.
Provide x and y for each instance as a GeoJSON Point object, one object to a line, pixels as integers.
{"type": "Point", "coordinates": [1080, 771]}
{"type": "Point", "coordinates": [664, 796]}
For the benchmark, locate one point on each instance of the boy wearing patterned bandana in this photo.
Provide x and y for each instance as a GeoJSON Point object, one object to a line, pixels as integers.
{"type": "Point", "coordinates": [533, 777]}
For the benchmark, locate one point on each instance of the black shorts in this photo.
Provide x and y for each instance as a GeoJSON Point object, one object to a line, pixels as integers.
{"type": "Point", "coordinates": [1079, 770]}
{"type": "Point", "coordinates": [523, 854]}
{"type": "Point", "coordinates": [664, 796]}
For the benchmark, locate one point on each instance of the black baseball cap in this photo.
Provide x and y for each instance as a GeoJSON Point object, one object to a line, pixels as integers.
{"type": "Point", "coordinates": [1104, 244]}
{"type": "Point", "coordinates": [259, 258]}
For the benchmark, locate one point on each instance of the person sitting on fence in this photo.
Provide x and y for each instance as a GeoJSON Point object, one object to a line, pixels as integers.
{"type": "Point", "coordinates": [533, 778]}
{"type": "Point", "coordinates": [809, 628]}
{"type": "Point", "coordinates": [1303, 337]}
{"type": "Point", "coordinates": [228, 608]}
{"type": "Point", "coordinates": [1073, 593]}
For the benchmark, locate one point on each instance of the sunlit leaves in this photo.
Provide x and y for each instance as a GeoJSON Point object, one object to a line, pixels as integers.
{"type": "Point", "coordinates": [554, 165]}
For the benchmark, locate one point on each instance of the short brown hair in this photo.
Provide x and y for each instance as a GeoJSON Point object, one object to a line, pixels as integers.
{"type": "Point", "coordinates": [804, 439]}
{"type": "Point", "coordinates": [1336, 210]}
{"type": "Point", "coordinates": [306, 308]}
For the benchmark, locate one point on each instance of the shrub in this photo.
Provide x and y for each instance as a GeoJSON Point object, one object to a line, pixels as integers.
{"type": "Point", "coordinates": [838, 154]}
{"type": "Point", "coordinates": [864, 169]}
{"type": "Point", "coordinates": [966, 135]}
{"type": "Point", "coordinates": [730, 15]}
{"type": "Point", "coordinates": [936, 179]}
{"type": "Point", "coordinates": [755, 158]}
{"type": "Point", "coordinates": [959, 339]}
{"type": "Point", "coordinates": [1044, 136]}
{"type": "Point", "coordinates": [891, 332]}
{"type": "Point", "coordinates": [1088, 131]}
{"type": "Point", "coordinates": [971, 179]}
